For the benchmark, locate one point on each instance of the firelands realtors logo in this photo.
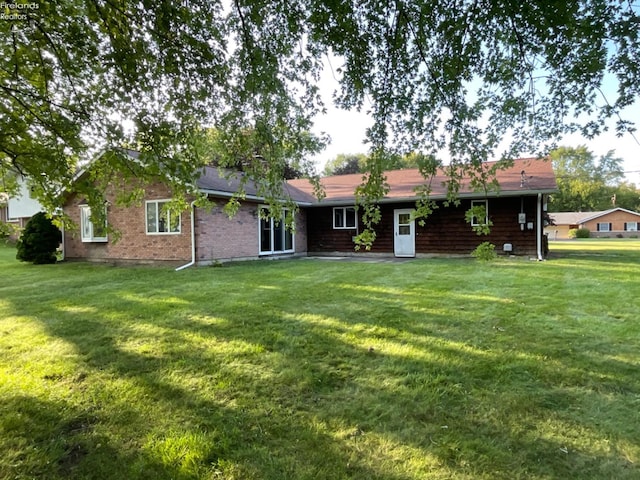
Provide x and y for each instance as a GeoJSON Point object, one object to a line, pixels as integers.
{"type": "Point", "coordinates": [17, 11]}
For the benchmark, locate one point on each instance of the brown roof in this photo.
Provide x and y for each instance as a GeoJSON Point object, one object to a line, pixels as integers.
{"type": "Point", "coordinates": [525, 176]}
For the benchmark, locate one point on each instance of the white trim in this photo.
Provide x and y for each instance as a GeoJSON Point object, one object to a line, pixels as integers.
{"type": "Point", "coordinates": [272, 234]}
{"type": "Point", "coordinates": [397, 250]}
{"type": "Point", "coordinates": [539, 227]}
{"type": "Point", "coordinates": [158, 214]}
{"type": "Point", "coordinates": [87, 227]}
{"type": "Point", "coordinates": [344, 217]}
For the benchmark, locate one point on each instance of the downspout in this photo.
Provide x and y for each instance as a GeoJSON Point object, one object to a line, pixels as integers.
{"type": "Point", "coordinates": [193, 240]}
{"type": "Point", "coordinates": [62, 243]}
{"type": "Point", "coordinates": [539, 227]}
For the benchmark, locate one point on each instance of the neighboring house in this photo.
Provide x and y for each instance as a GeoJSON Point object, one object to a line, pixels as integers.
{"type": "Point", "coordinates": [615, 222]}
{"type": "Point", "coordinates": [325, 227]}
{"type": "Point", "coordinates": [20, 208]}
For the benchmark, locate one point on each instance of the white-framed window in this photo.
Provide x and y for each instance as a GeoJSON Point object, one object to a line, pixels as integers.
{"type": "Point", "coordinates": [159, 220]}
{"type": "Point", "coordinates": [630, 226]}
{"type": "Point", "coordinates": [89, 231]}
{"type": "Point", "coordinates": [345, 218]}
{"type": "Point", "coordinates": [475, 222]}
{"type": "Point", "coordinates": [273, 236]}
{"type": "Point", "coordinates": [604, 227]}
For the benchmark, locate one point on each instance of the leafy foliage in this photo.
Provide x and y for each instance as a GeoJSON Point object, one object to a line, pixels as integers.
{"type": "Point", "coordinates": [589, 184]}
{"type": "Point", "coordinates": [345, 163]}
{"type": "Point", "coordinates": [39, 240]}
{"type": "Point", "coordinates": [479, 220]}
{"type": "Point", "coordinates": [579, 233]}
{"type": "Point", "coordinates": [443, 77]}
{"type": "Point", "coordinates": [485, 252]}
{"type": "Point", "coordinates": [7, 230]}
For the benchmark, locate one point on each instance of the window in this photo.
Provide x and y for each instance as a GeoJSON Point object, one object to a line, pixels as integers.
{"type": "Point", "coordinates": [89, 231]}
{"type": "Point", "coordinates": [160, 220]}
{"type": "Point", "coordinates": [604, 227]}
{"type": "Point", "coordinates": [274, 237]}
{"type": "Point", "coordinates": [631, 226]}
{"type": "Point", "coordinates": [475, 222]}
{"type": "Point", "coordinates": [344, 217]}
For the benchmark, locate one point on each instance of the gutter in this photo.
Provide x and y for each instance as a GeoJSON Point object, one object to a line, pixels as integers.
{"type": "Point", "coordinates": [389, 200]}
{"type": "Point", "coordinates": [193, 239]}
{"type": "Point", "coordinates": [223, 194]}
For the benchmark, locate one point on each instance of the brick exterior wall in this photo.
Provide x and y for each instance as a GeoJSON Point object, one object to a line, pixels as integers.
{"type": "Point", "coordinates": [220, 238]}
{"type": "Point", "coordinates": [134, 245]}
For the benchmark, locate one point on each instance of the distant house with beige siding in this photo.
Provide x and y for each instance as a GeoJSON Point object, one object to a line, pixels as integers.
{"type": "Point", "coordinates": [615, 222]}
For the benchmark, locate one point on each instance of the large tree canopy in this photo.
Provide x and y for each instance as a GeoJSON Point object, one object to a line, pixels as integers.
{"type": "Point", "coordinates": [447, 78]}
{"type": "Point", "coordinates": [589, 184]}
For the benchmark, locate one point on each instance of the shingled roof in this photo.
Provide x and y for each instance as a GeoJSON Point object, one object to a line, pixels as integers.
{"type": "Point", "coordinates": [525, 176]}
{"type": "Point", "coordinates": [224, 183]}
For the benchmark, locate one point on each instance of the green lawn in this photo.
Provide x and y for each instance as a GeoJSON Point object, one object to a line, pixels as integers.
{"type": "Point", "coordinates": [318, 369]}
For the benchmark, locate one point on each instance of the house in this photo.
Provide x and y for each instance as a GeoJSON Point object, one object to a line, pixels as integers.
{"type": "Point", "coordinates": [322, 227]}
{"type": "Point", "coordinates": [615, 222]}
{"type": "Point", "coordinates": [18, 209]}
{"type": "Point", "coordinates": [517, 212]}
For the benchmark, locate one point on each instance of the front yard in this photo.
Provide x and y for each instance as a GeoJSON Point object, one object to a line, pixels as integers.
{"type": "Point", "coordinates": [317, 369]}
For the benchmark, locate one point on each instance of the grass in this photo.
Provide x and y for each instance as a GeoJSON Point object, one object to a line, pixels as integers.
{"type": "Point", "coordinates": [312, 369]}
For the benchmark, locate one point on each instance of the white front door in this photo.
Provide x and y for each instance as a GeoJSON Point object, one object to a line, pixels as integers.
{"type": "Point", "coordinates": [404, 243]}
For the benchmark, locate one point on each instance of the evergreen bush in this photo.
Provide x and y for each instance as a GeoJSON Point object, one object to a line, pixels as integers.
{"type": "Point", "coordinates": [39, 240]}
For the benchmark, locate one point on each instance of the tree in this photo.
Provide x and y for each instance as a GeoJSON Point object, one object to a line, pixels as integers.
{"type": "Point", "coordinates": [452, 76]}
{"type": "Point", "coordinates": [39, 240]}
{"type": "Point", "coordinates": [346, 163]}
{"type": "Point", "coordinates": [625, 195]}
{"type": "Point", "coordinates": [589, 184]}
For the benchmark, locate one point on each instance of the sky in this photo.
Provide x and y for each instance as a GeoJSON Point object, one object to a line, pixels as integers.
{"type": "Point", "coordinates": [347, 132]}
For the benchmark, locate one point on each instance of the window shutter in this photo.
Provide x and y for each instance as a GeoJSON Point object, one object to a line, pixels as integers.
{"type": "Point", "coordinates": [610, 227]}
{"type": "Point", "coordinates": [625, 226]}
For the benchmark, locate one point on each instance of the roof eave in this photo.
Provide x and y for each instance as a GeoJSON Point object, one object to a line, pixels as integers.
{"type": "Point", "coordinates": [255, 198]}
{"type": "Point", "coordinates": [414, 198]}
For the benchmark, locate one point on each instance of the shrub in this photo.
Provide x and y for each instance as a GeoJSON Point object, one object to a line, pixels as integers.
{"type": "Point", "coordinates": [7, 230]}
{"type": "Point", "coordinates": [583, 233]}
{"type": "Point", "coordinates": [39, 240]}
{"type": "Point", "coordinates": [579, 233]}
{"type": "Point", "coordinates": [485, 252]}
